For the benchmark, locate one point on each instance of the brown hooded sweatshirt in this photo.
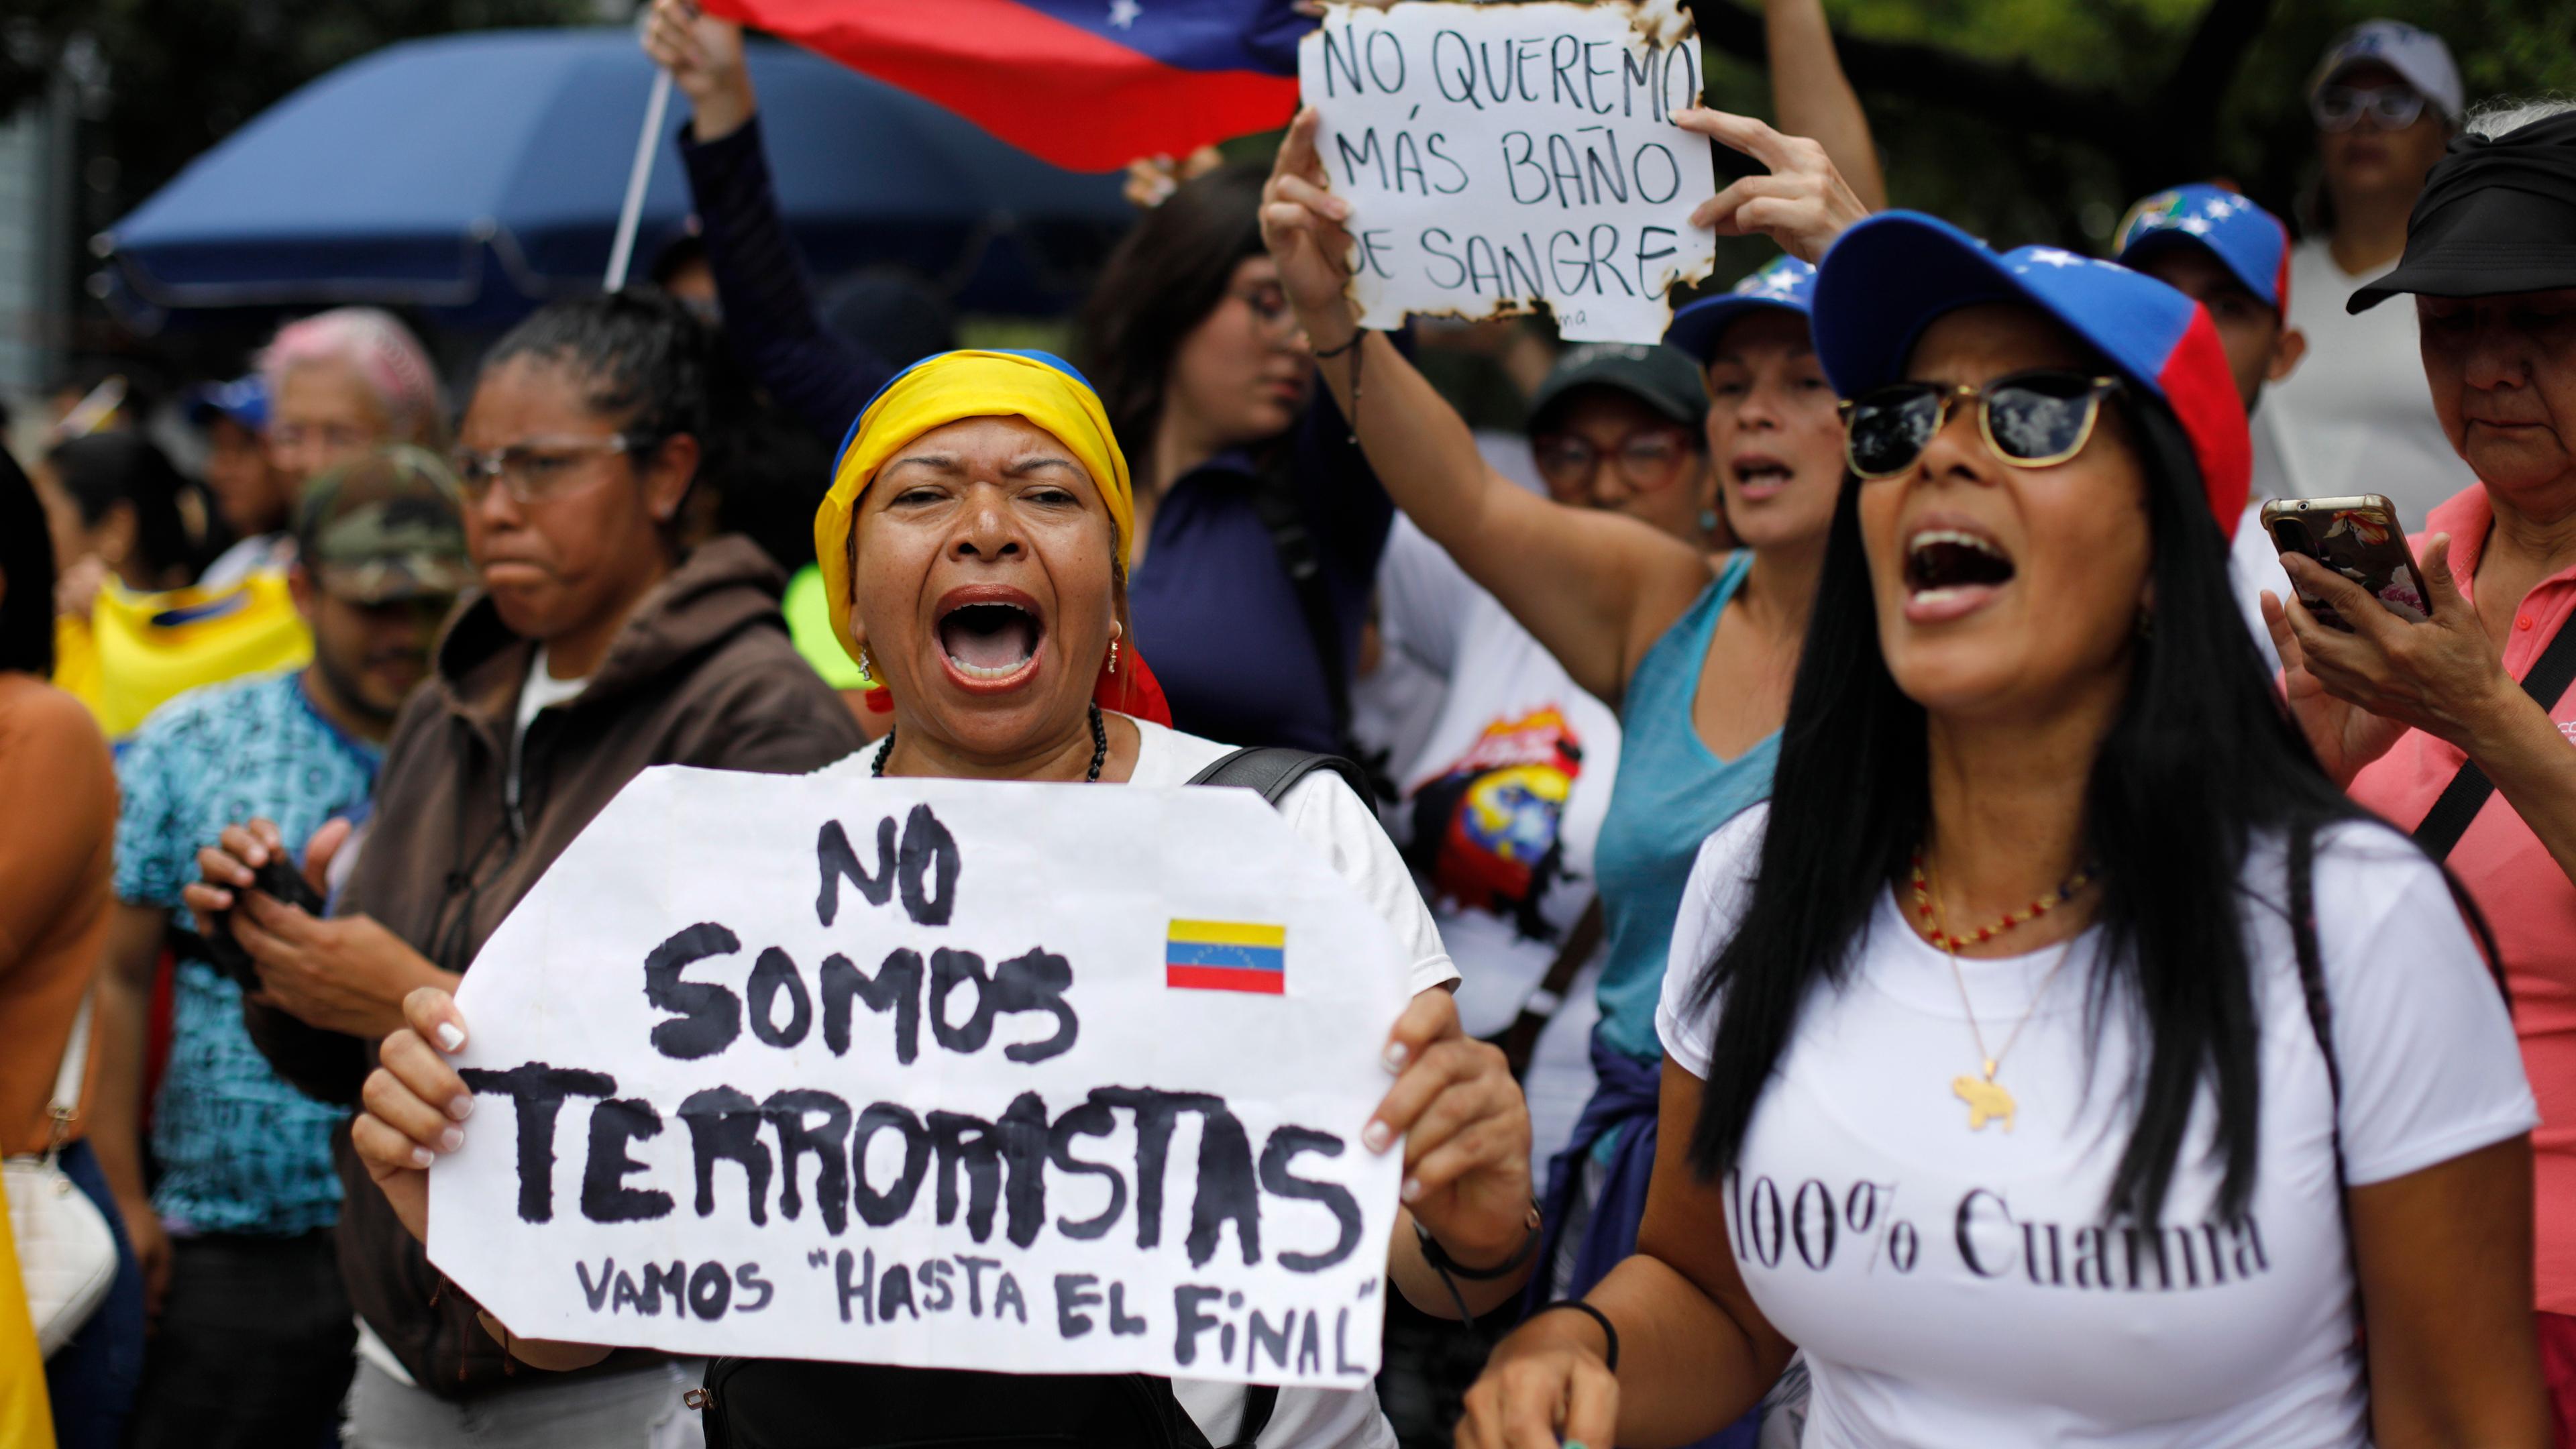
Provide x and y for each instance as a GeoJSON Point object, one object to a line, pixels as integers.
{"type": "Point", "coordinates": [701, 674]}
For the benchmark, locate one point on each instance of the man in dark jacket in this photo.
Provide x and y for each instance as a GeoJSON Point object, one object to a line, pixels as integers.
{"type": "Point", "coordinates": [597, 649]}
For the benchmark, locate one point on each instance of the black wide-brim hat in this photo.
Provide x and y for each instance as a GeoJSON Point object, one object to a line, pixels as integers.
{"type": "Point", "coordinates": [2496, 217]}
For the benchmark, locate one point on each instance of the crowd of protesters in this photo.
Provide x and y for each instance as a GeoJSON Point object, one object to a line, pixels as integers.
{"type": "Point", "coordinates": [2160, 909]}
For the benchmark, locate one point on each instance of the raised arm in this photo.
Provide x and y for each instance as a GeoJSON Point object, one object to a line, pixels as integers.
{"type": "Point", "coordinates": [1813, 98]}
{"type": "Point", "coordinates": [1694, 1351]}
{"type": "Point", "coordinates": [770, 319]}
{"type": "Point", "coordinates": [1580, 581]}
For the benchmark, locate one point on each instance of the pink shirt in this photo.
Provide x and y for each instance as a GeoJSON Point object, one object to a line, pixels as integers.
{"type": "Point", "coordinates": [2526, 897]}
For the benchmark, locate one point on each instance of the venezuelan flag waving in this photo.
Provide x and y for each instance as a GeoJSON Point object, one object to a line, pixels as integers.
{"type": "Point", "coordinates": [1087, 84]}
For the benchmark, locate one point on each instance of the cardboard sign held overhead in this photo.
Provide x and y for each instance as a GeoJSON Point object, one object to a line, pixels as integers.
{"type": "Point", "coordinates": [1504, 157]}
{"type": "Point", "coordinates": [941, 1073]}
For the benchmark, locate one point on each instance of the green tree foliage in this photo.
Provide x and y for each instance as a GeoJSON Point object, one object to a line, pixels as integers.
{"type": "Point", "coordinates": [2040, 120]}
{"type": "Point", "coordinates": [170, 78]}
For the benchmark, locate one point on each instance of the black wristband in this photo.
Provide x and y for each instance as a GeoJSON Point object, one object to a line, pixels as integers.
{"type": "Point", "coordinates": [1358, 334]}
{"type": "Point", "coordinates": [1609, 1355]}
{"type": "Point", "coordinates": [1438, 1257]}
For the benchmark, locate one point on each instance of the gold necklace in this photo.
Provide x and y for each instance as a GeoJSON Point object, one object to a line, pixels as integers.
{"type": "Point", "coordinates": [1986, 1098]}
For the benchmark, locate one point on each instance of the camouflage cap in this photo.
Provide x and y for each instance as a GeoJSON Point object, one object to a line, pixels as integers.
{"type": "Point", "coordinates": [385, 528]}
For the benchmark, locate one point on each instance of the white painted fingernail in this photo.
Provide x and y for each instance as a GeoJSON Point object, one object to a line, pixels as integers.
{"type": "Point", "coordinates": [1396, 1056]}
{"type": "Point", "coordinates": [422, 1157]}
{"type": "Point", "coordinates": [451, 1037]}
{"type": "Point", "coordinates": [1377, 1137]}
{"type": "Point", "coordinates": [461, 1106]}
{"type": "Point", "coordinates": [1412, 1189]}
{"type": "Point", "coordinates": [451, 1139]}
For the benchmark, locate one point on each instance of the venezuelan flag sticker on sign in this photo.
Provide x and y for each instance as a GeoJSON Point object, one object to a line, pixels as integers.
{"type": "Point", "coordinates": [1226, 956]}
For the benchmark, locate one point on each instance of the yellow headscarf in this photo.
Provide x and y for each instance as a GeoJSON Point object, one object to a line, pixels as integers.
{"type": "Point", "coordinates": [952, 387]}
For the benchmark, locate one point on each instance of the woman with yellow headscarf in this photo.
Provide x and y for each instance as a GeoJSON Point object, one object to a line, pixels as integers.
{"type": "Point", "coordinates": [973, 549]}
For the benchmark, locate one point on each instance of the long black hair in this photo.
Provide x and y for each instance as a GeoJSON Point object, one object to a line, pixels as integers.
{"type": "Point", "coordinates": [2201, 761]}
{"type": "Point", "coordinates": [103, 470]}
{"type": "Point", "coordinates": [26, 576]}
{"type": "Point", "coordinates": [1163, 280]}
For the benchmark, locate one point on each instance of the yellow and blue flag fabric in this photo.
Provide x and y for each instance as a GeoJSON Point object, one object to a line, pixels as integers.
{"type": "Point", "coordinates": [136, 651]}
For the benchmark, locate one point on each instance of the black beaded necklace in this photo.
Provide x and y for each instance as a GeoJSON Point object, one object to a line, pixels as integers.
{"type": "Point", "coordinates": [1099, 750]}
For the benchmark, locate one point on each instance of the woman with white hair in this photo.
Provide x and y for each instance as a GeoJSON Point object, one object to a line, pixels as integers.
{"type": "Point", "coordinates": [2427, 723]}
{"type": "Point", "coordinates": [344, 381]}
{"type": "Point", "coordinates": [337, 384]}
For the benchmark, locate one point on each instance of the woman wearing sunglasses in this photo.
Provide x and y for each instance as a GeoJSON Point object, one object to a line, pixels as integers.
{"type": "Point", "coordinates": [1695, 651]}
{"type": "Point", "coordinates": [2355, 418]}
{"type": "Point", "coordinates": [2075, 1064]}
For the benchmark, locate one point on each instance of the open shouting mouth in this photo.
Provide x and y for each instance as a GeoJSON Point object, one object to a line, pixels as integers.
{"type": "Point", "coordinates": [989, 636]}
{"type": "Point", "coordinates": [1951, 572]}
{"type": "Point", "coordinates": [1759, 476]}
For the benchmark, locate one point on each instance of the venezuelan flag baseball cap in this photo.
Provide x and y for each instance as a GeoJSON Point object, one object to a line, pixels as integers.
{"type": "Point", "coordinates": [1786, 284]}
{"type": "Point", "coordinates": [2247, 240]}
{"type": "Point", "coordinates": [244, 400]}
{"type": "Point", "coordinates": [1891, 276]}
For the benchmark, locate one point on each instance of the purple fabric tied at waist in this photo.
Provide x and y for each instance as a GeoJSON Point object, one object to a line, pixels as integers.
{"type": "Point", "coordinates": [1624, 1103]}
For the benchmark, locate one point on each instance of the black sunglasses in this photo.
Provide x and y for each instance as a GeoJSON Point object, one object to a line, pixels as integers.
{"type": "Point", "coordinates": [2034, 419]}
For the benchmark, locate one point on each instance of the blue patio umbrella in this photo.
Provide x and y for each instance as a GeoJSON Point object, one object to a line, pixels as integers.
{"type": "Point", "coordinates": [477, 175]}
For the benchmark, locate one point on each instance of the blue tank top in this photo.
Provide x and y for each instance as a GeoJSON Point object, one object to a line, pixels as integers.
{"type": "Point", "coordinates": [1672, 792]}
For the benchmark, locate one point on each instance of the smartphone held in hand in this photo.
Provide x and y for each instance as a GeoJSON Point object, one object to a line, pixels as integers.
{"type": "Point", "coordinates": [2357, 537]}
{"type": "Point", "coordinates": [280, 879]}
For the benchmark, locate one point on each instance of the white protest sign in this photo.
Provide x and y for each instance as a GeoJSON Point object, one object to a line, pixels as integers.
{"type": "Point", "coordinates": [1500, 157]}
{"type": "Point", "coordinates": [939, 1073]}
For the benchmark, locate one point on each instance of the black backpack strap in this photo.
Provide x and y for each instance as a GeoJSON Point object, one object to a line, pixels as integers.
{"type": "Point", "coordinates": [1274, 498]}
{"type": "Point", "coordinates": [1519, 1040]}
{"type": "Point", "coordinates": [1274, 770]}
{"type": "Point", "coordinates": [2466, 795]}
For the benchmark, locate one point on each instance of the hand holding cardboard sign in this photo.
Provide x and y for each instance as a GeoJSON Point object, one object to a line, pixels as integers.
{"type": "Point", "coordinates": [1803, 203]}
{"type": "Point", "coordinates": [1301, 223]}
{"type": "Point", "coordinates": [1466, 1134]}
{"type": "Point", "coordinates": [413, 1104]}
{"type": "Point", "coordinates": [1498, 160]}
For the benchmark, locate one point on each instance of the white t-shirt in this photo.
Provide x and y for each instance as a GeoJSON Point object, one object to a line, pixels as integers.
{"type": "Point", "coordinates": [2254, 565]}
{"type": "Point", "coordinates": [1952, 1287]}
{"type": "Point", "coordinates": [261, 552]}
{"type": "Point", "coordinates": [2357, 417]}
{"type": "Point", "coordinates": [1503, 797]}
{"type": "Point", "coordinates": [541, 691]}
{"type": "Point", "coordinates": [1339, 823]}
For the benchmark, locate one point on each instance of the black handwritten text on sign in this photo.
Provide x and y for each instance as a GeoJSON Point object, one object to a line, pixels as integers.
{"type": "Point", "coordinates": [891, 1071]}
{"type": "Point", "coordinates": [1500, 158]}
